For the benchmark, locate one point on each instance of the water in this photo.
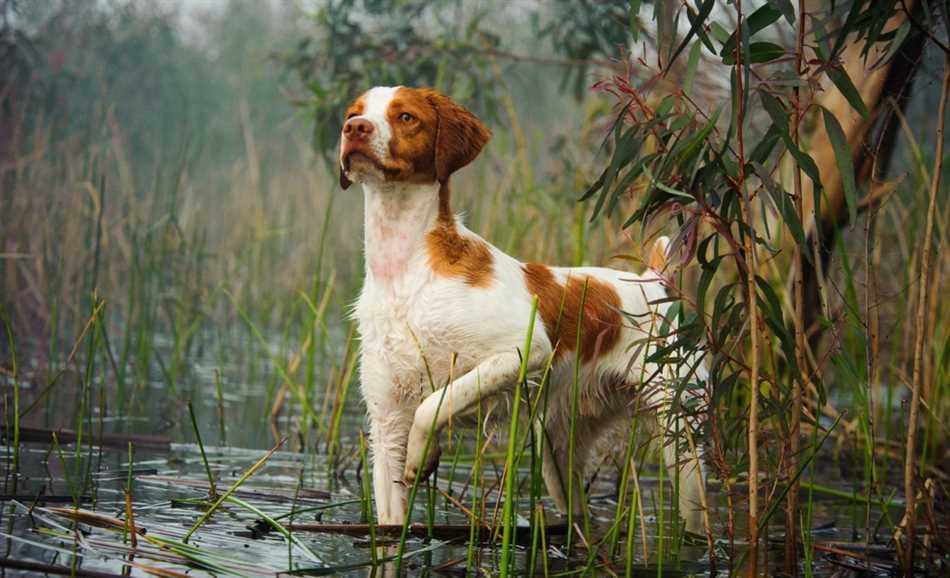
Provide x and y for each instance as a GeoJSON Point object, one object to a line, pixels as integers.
{"type": "Point", "coordinates": [170, 488]}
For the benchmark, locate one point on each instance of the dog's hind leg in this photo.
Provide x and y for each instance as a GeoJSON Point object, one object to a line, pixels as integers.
{"type": "Point", "coordinates": [563, 474]}
{"type": "Point", "coordinates": [685, 468]}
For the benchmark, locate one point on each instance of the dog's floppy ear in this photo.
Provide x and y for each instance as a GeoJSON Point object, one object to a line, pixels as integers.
{"type": "Point", "coordinates": [459, 136]}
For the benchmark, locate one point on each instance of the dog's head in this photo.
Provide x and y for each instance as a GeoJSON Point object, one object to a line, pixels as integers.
{"type": "Point", "coordinates": [410, 135]}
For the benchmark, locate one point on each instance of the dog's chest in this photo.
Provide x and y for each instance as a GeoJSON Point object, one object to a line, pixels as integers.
{"type": "Point", "coordinates": [418, 334]}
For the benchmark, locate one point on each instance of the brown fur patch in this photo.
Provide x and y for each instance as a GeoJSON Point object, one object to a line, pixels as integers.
{"type": "Point", "coordinates": [356, 108]}
{"type": "Point", "coordinates": [459, 137]}
{"type": "Point", "coordinates": [412, 146]}
{"type": "Point", "coordinates": [438, 138]}
{"type": "Point", "coordinates": [560, 308]}
{"type": "Point", "coordinates": [452, 255]}
{"type": "Point", "coordinates": [432, 136]}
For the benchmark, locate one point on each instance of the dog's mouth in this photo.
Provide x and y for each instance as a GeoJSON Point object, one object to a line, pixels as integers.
{"type": "Point", "coordinates": [361, 160]}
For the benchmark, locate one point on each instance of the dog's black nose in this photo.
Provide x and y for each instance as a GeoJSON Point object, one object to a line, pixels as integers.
{"type": "Point", "coordinates": [358, 128]}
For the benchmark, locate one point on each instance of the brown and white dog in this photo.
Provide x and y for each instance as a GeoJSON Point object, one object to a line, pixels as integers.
{"type": "Point", "coordinates": [442, 305]}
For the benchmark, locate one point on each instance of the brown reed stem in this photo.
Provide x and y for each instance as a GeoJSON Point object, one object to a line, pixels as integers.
{"type": "Point", "coordinates": [922, 295]}
{"type": "Point", "coordinates": [751, 304]}
{"type": "Point", "coordinates": [795, 446]}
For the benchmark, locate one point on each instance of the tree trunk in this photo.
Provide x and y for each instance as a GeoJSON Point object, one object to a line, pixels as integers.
{"type": "Point", "coordinates": [872, 143]}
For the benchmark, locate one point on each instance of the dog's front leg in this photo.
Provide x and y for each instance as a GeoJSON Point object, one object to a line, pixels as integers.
{"type": "Point", "coordinates": [389, 428]}
{"type": "Point", "coordinates": [495, 374]}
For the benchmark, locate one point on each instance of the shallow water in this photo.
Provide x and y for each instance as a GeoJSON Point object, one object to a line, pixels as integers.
{"type": "Point", "coordinates": [168, 478]}
{"type": "Point", "coordinates": [165, 480]}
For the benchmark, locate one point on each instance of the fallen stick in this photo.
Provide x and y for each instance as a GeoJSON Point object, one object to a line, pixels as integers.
{"type": "Point", "coordinates": [439, 531]}
{"type": "Point", "coordinates": [41, 499]}
{"type": "Point", "coordinates": [108, 440]}
{"type": "Point", "coordinates": [40, 568]}
{"type": "Point", "coordinates": [265, 493]}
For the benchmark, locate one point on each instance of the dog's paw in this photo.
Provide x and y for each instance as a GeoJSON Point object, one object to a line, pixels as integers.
{"type": "Point", "coordinates": [432, 460]}
{"type": "Point", "coordinates": [418, 465]}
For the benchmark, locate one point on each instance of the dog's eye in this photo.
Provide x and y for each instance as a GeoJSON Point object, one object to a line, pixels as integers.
{"type": "Point", "coordinates": [406, 117]}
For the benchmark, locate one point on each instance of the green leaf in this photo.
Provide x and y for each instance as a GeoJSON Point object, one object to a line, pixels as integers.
{"type": "Point", "coordinates": [692, 144]}
{"type": "Point", "coordinates": [759, 52]}
{"type": "Point", "coordinates": [695, 26]}
{"type": "Point", "coordinates": [758, 20]}
{"type": "Point", "coordinates": [718, 32]}
{"type": "Point", "coordinates": [786, 8]}
{"type": "Point", "coordinates": [691, 64]}
{"type": "Point", "coordinates": [605, 176]}
{"type": "Point", "coordinates": [666, 105]}
{"type": "Point", "coordinates": [843, 158]}
{"type": "Point", "coordinates": [705, 280]}
{"type": "Point", "coordinates": [783, 204]}
{"type": "Point", "coordinates": [634, 14]}
{"type": "Point", "coordinates": [841, 80]}
{"type": "Point", "coordinates": [779, 117]}
{"type": "Point", "coordinates": [895, 44]}
{"type": "Point", "coordinates": [765, 145]}
{"type": "Point", "coordinates": [775, 111]}
{"type": "Point", "coordinates": [765, 51]}
{"type": "Point", "coordinates": [846, 28]}
{"type": "Point", "coordinates": [627, 148]}
{"type": "Point", "coordinates": [635, 171]}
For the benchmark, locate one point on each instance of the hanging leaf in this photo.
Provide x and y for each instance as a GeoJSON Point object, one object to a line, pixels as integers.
{"type": "Point", "coordinates": [757, 21]}
{"type": "Point", "coordinates": [692, 63]}
{"type": "Point", "coordinates": [779, 118]}
{"type": "Point", "coordinates": [843, 158]}
{"type": "Point", "coordinates": [696, 24]}
{"type": "Point", "coordinates": [841, 80]}
{"type": "Point", "coordinates": [784, 206]}
{"type": "Point", "coordinates": [759, 52]}
{"type": "Point", "coordinates": [786, 8]}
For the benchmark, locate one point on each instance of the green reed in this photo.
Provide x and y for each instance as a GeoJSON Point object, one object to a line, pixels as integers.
{"type": "Point", "coordinates": [511, 461]}
{"type": "Point", "coordinates": [475, 520]}
{"type": "Point", "coordinates": [212, 490]}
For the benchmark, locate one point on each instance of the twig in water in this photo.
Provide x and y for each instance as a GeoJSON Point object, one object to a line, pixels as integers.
{"type": "Point", "coordinates": [247, 474]}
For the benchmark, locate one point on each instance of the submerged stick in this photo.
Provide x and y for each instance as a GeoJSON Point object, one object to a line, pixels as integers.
{"type": "Point", "coordinates": [418, 530]}
{"type": "Point", "coordinates": [55, 570]}
{"type": "Point", "coordinates": [108, 440]}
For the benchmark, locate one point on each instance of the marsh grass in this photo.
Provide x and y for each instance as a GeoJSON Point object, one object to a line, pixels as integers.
{"type": "Point", "coordinates": [119, 279]}
{"type": "Point", "coordinates": [323, 413]}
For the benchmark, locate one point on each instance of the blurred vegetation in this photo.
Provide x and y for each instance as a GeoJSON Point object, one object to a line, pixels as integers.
{"type": "Point", "coordinates": [166, 198]}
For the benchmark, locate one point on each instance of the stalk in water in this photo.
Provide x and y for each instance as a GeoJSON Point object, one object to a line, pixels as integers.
{"type": "Point", "coordinates": [798, 314]}
{"type": "Point", "coordinates": [751, 304]}
{"type": "Point", "coordinates": [212, 491]}
{"type": "Point", "coordinates": [508, 515]}
{"type": "Point", "coordinates": [16, 399]}
{"type": "Point", "coordinates": [922, 295]}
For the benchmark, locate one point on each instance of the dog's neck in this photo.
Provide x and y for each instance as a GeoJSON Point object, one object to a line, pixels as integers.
{"type": "Point", "coordinates": [397, 218]}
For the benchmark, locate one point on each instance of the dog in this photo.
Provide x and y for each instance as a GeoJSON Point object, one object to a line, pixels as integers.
{"type": "Point", "coordinates": [441, 306]}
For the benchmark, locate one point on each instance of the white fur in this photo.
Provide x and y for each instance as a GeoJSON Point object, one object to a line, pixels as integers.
{"type": "Point", "coordinates": [375, 104]}
{"type": "Point", "coordinates": [416, 325]}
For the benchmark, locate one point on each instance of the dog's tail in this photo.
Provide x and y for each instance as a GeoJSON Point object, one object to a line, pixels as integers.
{"type": "Point", "coordinates": [658, 258]}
